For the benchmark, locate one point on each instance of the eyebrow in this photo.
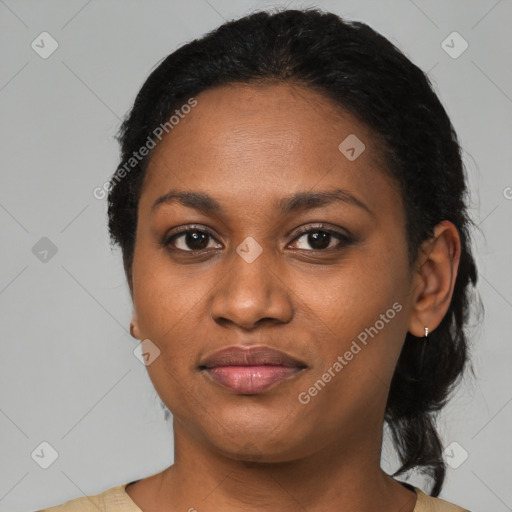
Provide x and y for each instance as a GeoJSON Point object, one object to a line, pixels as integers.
{"type": "Point", "coordinates": [297, 202]}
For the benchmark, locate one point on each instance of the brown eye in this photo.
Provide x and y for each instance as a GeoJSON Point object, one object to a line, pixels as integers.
{"type": "Point", "coordinates": [320, 239]}
{"type": "Point", "coordinates": [190, 240]}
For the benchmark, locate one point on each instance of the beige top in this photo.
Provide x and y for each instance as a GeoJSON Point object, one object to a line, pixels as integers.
{"type": "Point", "coordinates": [116, 499]}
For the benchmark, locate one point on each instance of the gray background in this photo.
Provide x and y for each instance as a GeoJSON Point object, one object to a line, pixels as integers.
{"type": "Point", "coordinates": [68, 373]}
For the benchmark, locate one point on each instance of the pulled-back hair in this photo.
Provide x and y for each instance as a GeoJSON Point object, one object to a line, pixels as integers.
{"type": "Point", "coordinates": [366, 75]}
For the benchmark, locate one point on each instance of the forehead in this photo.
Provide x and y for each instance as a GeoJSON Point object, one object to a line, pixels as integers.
{"type": "Point", "coordinates": [259, 141]}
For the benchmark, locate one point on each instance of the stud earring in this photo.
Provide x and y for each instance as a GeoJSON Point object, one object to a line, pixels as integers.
{"type": "Point", "coordinates": [423, 346]}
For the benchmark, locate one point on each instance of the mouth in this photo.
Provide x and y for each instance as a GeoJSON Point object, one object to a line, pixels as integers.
{"type": "Point", "coordinates": [250, 370]}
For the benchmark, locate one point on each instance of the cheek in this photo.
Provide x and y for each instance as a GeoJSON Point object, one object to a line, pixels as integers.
{"type": "Point", "coordinates": [165, 295]}
{"type": "Point", "coordinates": [167, 306]}
{"type": "Point", "coordinates": [358, 310]}
{"type": "Point", "coordinates": [349, 297]}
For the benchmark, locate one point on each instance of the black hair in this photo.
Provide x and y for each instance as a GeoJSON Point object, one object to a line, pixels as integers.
{"type": "Point", "coordinates": [365, 74]}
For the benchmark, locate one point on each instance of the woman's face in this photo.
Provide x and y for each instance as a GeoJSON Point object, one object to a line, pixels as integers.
{"type": "Point", "coordinates": [322, 278]}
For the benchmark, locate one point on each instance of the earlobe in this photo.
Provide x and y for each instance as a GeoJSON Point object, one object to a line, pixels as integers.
{"type": "Point", "coordinates": [435, 278]}
{"type": "Point", "coordinates": [134, 328]}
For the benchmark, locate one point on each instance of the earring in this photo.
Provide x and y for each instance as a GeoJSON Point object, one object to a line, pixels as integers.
{"type": "Point", "coordinates": [423, 346]}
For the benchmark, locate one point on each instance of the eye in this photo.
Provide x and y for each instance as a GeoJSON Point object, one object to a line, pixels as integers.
{"type": "Point", "coordinates": [321, 239]}
{"type": "Point", "coordinates": [190, 240]}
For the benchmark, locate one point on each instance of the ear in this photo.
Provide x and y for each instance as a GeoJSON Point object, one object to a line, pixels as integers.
{"type": "Point", "coordinates": [434, 278]}
{"type": "Point", "coordinates": [134, 327]}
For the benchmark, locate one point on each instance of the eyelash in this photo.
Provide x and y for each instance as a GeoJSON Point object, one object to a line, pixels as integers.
{"type": "Point", "coordinates": [344, 239]}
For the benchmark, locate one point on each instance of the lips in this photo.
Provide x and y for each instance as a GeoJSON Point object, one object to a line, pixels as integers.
{"type": "Point", "coordinates": [250, 370]}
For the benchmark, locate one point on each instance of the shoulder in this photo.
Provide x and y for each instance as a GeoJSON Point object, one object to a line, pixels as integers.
{"type": "Point", "coordinates": [114, 499]}
{"type": "Point", "coordinates": [426, 503]}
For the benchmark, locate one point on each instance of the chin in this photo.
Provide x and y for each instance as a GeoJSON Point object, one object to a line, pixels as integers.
{"type": "Point", "coordinates": [265, 445]}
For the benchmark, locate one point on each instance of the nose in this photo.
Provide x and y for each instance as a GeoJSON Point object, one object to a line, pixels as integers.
{"type": "Point", "coordinates": [251, 294]}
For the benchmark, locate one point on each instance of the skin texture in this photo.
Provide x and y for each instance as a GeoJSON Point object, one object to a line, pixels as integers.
{"type": "Point", "coordinates": [248, 147]}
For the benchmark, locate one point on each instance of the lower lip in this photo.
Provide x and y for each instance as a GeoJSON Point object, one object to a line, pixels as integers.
{"type": "Point", "coordinates": [250, 379]}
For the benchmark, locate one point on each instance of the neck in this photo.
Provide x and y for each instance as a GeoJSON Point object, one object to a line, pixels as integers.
{"type": "Point", "coordinates": [343, 477]}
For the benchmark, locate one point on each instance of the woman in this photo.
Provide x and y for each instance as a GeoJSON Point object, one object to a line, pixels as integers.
{"type": "Point", "coordinates": [290, 205]}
